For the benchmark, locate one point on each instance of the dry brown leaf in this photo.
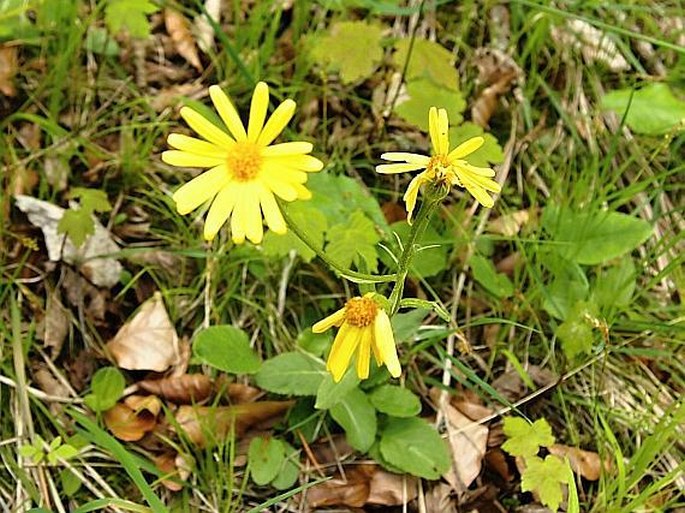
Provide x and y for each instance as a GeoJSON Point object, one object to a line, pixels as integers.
{"type": "Point", "coordinates": [509, 224]}
{"type": "Point", "coordinates": [200, 421]}
{"type": "Point", "coordinates": [486, 103]}
{"type": "Point", "coordinates": [186, 389]}
{"type": "Point", "coordinates": [55, 325]}
{"type": "Point", "coordinates": [148, 341]}
{"type": "Point", "coordinates": [593, 44]}
{"type": "Point", "coordinates": [497, 71]}
{"type": "Point", "coordinates": [48, 383]}
{"type": "Point", "coordinates": [178, 27]}
{"type": "Point", "coordinates": [204, 29]}
{"type": "Point", "coordinates": [468, 441]}
{"type": "Point", "coordinates": [352, 491]}
{"type": "Point", "coordinates": [85, 296]}
{"type": "Point", "coordinates": [439, 499]}
{"type": "Point", "coordinates": [509, 264]}
{"type": "Point", "coordinates": [497, 461]}
{"type": "Point", "coordinates": [176, 469]}
{"type": "Point", "coordinates": [390, 489]}
{"type": "Point", "coordinates": [331, 449]}
{"type": "Point", "coordinates": [130, 420]}
{"type": "Point", "coordinates": [239, 393]}
{"type": "Point", "coordinates": [23, 181]}
{"type": "Point", "coordinates": [586, 463]}
{"type": "Point", "coordinates": [8, 68]}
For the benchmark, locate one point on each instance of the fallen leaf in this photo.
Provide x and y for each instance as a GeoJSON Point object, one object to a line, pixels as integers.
{"type": "Point", "coordinates": [55, 326]}
{"type": "Point", "coordinates": [166, 462]}
{"type": "Point", "coordinates": [103, 271]}
{"type": "Point", "coordinates": [468, 441]}
{"type": "Point", "coordinates": [132, 419]}
{"type": "Point", "coordinates": [178, 27]}
{"type": "Point", "coordinates": [390, 489]}
{"type": "Point", "coordinates": [203, 28]}
{"type": "Point", "coordinates": [148, 341]}
{"type": "Point", "coordinates": [202, 422]}
{"type": "Point", "coordinates": [48, 383]}
{"type": "Point", "coordinates": [586, 463]}
{"type": "Point", "coordinates": [509, 224]}
{"type": "Point", "coordinates": [83, 295]}
{"type": "Point", "coordinates": [511, 385]}
{"type": "Point", "coordinates": [486, 102]}
{"type": "Point", "coordinates": [332, 449]}
{"type": "Point", "coordinates": [497, 461]}
{"type": "Point", "coordinates": [439, 499]}
{"type": "Point", "coordinates": [497, 71]}
{"type": "Point", "coordinates": [351, 490]}
{"type": "Point", "coordinates": [593, 44]}
{"type": "Point", "coordinates": [185, 389]}
{"type": "Point", "coordinates": [8, 68]}
{"type": "Point", "coordinates": [171, 96]}
{"type": "Point", "coordinates": [239, 393]}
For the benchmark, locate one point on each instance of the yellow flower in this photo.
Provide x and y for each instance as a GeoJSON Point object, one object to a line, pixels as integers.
{"type": "Point", "coordinates": [246, 170]}
{"type": "Point", "coordinates": [444, 166]}
{"type": "Point", "coordinates": [364, 326]}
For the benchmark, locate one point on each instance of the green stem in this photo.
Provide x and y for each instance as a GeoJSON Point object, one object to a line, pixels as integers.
{"type": "Point", "coordinates": [348, 274]}
{"type": "Point", "coordinates": [432, 198]}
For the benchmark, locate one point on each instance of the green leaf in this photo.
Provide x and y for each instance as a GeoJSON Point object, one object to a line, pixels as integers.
{"type": "Point", "coordinates": [524, 439]}
{"type": "Point", "coordinates": [568, 286]}
{"type": "Point", "coordinates": [395, 401]}
{"type": "Point", "coordinates": [291, 374]}
{"type": "Point", "coordinates": [130, 15]}
{"type": "Point", "coordinates": [414, 446]}
{"type": "Point", "coordinates": [357, 417]}
{"type": "Point", "coordinates": [310, 220]}
{"type": "Point", "coordinates": [546, 478]}
{"type": "Point", "coordinates": [406, 325]}
{"type": "Point", "coordinates": [65, 452]}
{"type": "Point", "coordinates": [591, 238]}
{"type": "Point", "coordinates": [429, 261]}
{"type": "Point", "coordinates": [484, 272]}
{"type": "Point", "coordinates": [331, 393]}
{"type": "Point", "coordinates": [314, 343]}
{"type": "Point", "coordinates": [78, 225]}
{"type": "Point", "coordinates": [490, 153]}
{"type": "Point", "coordinates": [352, 47]}
{"type": "Point", "coordinates": [428, 60]}
{"type": "Point", "coordinates": [290, 469]}
{"type": "Point", "coordinates": [654, 109]}
{"type": "Point", "coordinates": [106, 386]}
{"type": "Point", "coordinates": [100, 42]}
{"type": "Point", "coordinates": [265, 457]}
{"type": "Point", "coordinates": [93, 200]}
{"type": "Point", "coordinates": [70, 482]}
{"type": "Point", "coordinates": [575, 333]}
{"type": "Point", "coordinates": [352, 240]}
{"type": "Point", "coordinates": [424, 94]}
{"type": "Point", "coordinates": [226, 348]}
{"type": "Point", "coordinates": [614, 287]}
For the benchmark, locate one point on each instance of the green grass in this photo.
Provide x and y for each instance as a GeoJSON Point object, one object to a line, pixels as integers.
{"type": "Point", "coordinates": [95, 119]}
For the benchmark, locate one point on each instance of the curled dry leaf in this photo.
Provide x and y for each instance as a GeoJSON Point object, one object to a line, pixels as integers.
{"type": "Point", "coordinates": [351, 490]}
{"type": "Point", "coordinates": [8, 68]}
{"type": "Point", "coordinates": [102, 271]}
{"type": "Point", "coordinates": [148, 341]}
{"type": "Point", "coordinates": [202, 422]}
{"type": "Point", "coordinates": [185, 389]}
{"type": "Point", "coordinates": [390, 489]}
{"type": "Point", "coordinates": [468, 441]}
{"type": "Point", "coordinates": [176, 468]}
{"type": "Point", "coordinates": [55, 325]}
{"type": "Point", "coordinates": [239, 393]}
{"type": "Point", "coordinates": [509, 224]}
{"type": "Point", "coordinates": [586, 463]}
{"type": "Point", "coordinates": [439, 499]}
{"type": "Point", "coordinates": [178, 27]}
{"type": "Point", "coordinates": [130, 420]}
{"type": "Point", "coordinates": [497, 71]}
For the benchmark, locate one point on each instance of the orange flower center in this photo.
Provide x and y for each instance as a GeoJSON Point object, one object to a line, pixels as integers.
{"type": "Point", "coordinates": [244, 161]}
{"type": "Point", "coordinates": [360, 311]}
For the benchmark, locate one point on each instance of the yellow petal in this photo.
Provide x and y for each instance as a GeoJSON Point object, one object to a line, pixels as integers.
{"type": "Point", "coordinates": [364, 353]}
{"type": "Point", "coordinates": [344, 346]}
{"type": "Point", "coordinates": [237, 219]}
{"type": "Point", "coordinates": [197, 146]}
{"type": "Point", "coordinates": [434, 130]}
{"type": "Point", "coordinates": [288, 148]}
{"type": "Point", "coordinates": [206, 128]}
{"type": "Point", "coordinates": [200, 189]}
{"type": "Point", "coordinates": [385, 342]}
{"type": "Point", "coordinates": [443, 128]}
{"type": "Point", "coordinates": [258, 108]}
{"type": "Point", "coordinates": [227, 111]}
{"type": "Point", "coordinates": [411, 158]}
{"type": "Point", "coordinates": [327, 323]}
{"type": "Point", "coordinates": [390, 169]}
{"type": "Point", "coordinates": [302, 162]}
{"type": "Point", "coordinates": [466, 175]}
{"type": "Point", "coordinates": [277, 122]}
{"type": "Point", "coordinates": [220, 210]}
{"type": "Point", "coordinates": [272, 180]}
{"type": "Point", "coordinates": [481, 171]}
{"type": "Point", "coordinates": [412, 193]}
{"type": "Point", "coordinates": [465, 148]}
{"type": "Point", "coordinates": [272, 214]}
{"type": "Point", "coordinates": [185, 159]}
{"type": "Point", "coordinates": [254, 228]}
{"type": "Point", "coordinates": [302, 192]}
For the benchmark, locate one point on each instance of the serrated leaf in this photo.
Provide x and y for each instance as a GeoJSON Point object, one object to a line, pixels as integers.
{"type": "Point", "coordinates": [355, 414]}
{"type": "Point", "coordinates": [575, 333]}
{"type": "Point", "coordinates": [546, 478]}
{"type": "Point", "coordinates": [654, 109]}
{"type": "Point", "coordinates": [525, 439]}
{"type": "Point", "coordinates": [78, 225]}
{"type": "Point", "coordinates": [310, 220]}
{"type": "Point", "coordinates": [351, 47]}
{"type": "Point", "coordinates": [591, 238]}
{"type": "Point", "coordinates": [289, 471]}
{"type": "Point", "coordinates": [484, 272]}
{"type": "Point", "coordinates": [93, 200]}
{"type": "Point", "coordinates": [226, 348]}
{"type": "Point", "coordinates": [331, 393]}
{"type": "Point", "coordinates": [291, 374]}
{"type": "Point", "coordinates": [106, 386]}
{"type": "Point", "coordinates": [265, 457]}
{"type": "Point", "coordinates": [428, 60]}
{"type": "Point", "coordinates": [131, 15]}
{"type": "Point", "coordinates": [422, 95]}
{"type": "Point", "coordinates": [352, 240]}
{"type": "Point", "coordinates": [65, 452]}
{"type": "Point", "coordinates": [490, 153]}
{"type": "Point", "coordinates": [414, 446]}
{"type": "Point", "coordinates": [395, 401]}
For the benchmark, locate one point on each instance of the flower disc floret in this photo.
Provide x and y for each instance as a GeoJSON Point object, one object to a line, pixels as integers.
{"type": "Point", "coordinates": [246, 171]}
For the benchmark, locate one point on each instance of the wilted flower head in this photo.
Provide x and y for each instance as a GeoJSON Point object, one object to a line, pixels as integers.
{"type": "Point", "coordinates": [444, 166]}
{"type": "Point", "coordinates": [246, 170]}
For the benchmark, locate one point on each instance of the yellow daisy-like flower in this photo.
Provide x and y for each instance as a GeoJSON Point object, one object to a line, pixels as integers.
{"type": "Point", "coordinates": [246, 170]}
{"type": "Point", "coordinates": [444, 166]}
{"type": "Point", "coordinates": [364, 327]}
